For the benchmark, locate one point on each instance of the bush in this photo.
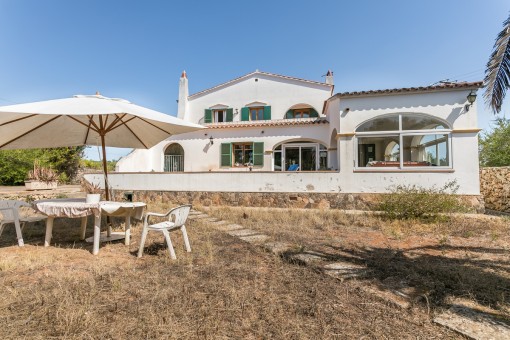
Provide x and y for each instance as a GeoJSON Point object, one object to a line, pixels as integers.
{"type": "Point", "coordinates": [413, 201]}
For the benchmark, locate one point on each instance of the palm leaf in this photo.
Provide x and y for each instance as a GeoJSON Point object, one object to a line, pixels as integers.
{"type": "Point", "coordinates": [497, 73]}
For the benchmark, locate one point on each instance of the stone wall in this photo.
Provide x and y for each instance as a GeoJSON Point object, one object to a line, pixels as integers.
{"type": "Point", "coordinates": [280, 200]}
{"type": "Point", "coordinates": [495, 187]}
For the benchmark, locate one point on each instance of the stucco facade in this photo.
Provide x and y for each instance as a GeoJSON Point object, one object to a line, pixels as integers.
{"type": "Point", "coordinates": [294, 132]}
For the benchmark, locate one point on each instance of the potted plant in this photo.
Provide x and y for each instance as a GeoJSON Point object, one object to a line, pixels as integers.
{"type": "Point", "coordinates": [41, 178]}
{"type": "Point", "coordinates": [93, 191]}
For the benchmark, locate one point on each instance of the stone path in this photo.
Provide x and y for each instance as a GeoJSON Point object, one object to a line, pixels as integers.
{"type": "Point", "coordinates": [462, 319]}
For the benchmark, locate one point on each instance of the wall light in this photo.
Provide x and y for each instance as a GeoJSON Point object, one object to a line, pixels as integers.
{"type": "Point", "coordinates": [471, 98]}
{"type": "Point", "coordinates": [211, 141]}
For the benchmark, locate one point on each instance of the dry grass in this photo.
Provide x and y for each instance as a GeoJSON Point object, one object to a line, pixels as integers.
{"type": "Point", "coordinates": [223, 289]}
{"type": "Point", "coordinates": [462, 257]}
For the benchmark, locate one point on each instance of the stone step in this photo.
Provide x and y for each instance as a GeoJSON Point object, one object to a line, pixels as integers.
{"type": "Point", "coordinates": [473, 324]}
{"type": "Point", "coordinates": [242, 232]}
{"type": "Point", "coordinates": [344, 270]}
{"type": "Point", "coordinates": [307, 258]}
{"type": "Point", "coordinates": [255, 239]}
{"type": "Point", "coordinates": [229, 227]}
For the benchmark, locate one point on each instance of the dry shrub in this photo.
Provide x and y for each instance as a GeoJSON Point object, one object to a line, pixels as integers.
{"type": "Point", "coordinates": [417, 202]}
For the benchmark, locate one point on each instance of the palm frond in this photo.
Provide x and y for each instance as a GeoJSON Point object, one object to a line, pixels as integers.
{"type": "Point", "coordinates": [497, 73]}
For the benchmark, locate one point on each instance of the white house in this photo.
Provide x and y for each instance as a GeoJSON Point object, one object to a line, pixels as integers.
{"type": "Point", "coordinates": [272, 133]}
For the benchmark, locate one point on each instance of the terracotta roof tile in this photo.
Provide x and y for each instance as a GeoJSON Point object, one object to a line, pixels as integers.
{"type": "Point", "coordinates": [268, 123]}
{"type": "Point", "coordinates": [442, 86]}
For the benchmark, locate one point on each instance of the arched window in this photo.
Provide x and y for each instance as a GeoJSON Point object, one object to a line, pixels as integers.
{"type": "Point", "coordinates": [301, 111]}
{"type": "Point", "coordinates": [174, 158]}
{"type": "Point", "coordinates": [403, 141]}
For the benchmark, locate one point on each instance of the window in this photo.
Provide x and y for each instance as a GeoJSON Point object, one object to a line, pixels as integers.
{"type": "Point", "coordinates": [256, 113]}
{"type": "Point", "coordinates": [174, 158]}
{"type": "Point", "coordinates": [301, 113]}
{"type": "Point", "coordinates": [218, 115]}
{"type": "Point", "coordinates": [403, 141]}
{"type": "Point", "coordinates": [300, 156]}
{"type": "Point", "coordinates": [242, 154]}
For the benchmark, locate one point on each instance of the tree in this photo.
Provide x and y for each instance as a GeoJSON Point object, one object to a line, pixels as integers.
{"type": "Point", "coordinates": [497, 73]}
{"type": "Point", "coordinates": [495, 146]}
{"type": "Point", "coordinates": [15, 164]}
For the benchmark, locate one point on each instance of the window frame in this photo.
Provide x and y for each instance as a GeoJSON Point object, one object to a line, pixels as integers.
{"type": "Point", "coordinates": [215, 114]}
{"type": "Point", "coordinates": [260, 110]}
{"type": "Point", "coordinates": [401, 134]}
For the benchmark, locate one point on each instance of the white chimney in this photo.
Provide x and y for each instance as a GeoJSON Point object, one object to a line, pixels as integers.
{"type": "Point", "coordinates": [182, 107]}
{"type": "Point", "coordinates": [329, 78]}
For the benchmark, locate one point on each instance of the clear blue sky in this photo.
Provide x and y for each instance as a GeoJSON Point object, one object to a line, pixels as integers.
{"type": "Point", "coordinates": [137, 49]}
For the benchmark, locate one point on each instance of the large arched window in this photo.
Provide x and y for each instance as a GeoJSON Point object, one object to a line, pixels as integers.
{"type": "Point", "coordinates": [174, 158]}
{"type": "Point", "coordinates": [403, 141]}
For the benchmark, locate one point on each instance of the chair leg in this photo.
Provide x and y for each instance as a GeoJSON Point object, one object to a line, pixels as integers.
{"type": "Point", "coordinates": [2, 225]}
{"type": "Point", "coordinates": [142, 241]}
{"type": "Point", "coordinates": [19, 236]}
{"type": "Point", "coordinates": [169, 243]}
{"type": "Point", "coordinates": [186, 240]}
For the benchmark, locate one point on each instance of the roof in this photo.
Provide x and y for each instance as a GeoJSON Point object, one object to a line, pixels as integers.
{"type": "Point", "coordinates": [269, 123]}
{"type": "Point", "coordinates": [404, 90]}
{"type": "Point", "coordinates": [255, 73]}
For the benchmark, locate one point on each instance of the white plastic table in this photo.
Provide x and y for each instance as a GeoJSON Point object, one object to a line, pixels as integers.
{"type": "Point", "coordinates": [75, 208]}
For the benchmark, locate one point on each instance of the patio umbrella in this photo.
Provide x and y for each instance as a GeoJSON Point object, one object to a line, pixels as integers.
{"type": "Point", "coordinates": [86, 120]}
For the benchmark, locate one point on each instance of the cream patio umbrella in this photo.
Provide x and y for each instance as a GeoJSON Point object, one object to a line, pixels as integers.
{"type": "Point", "coordinates": [86, 120]}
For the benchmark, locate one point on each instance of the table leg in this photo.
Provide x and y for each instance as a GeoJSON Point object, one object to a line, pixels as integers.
{"type": "Point", "coordinates": [97, 234]}
{"type": "Point", "coordinates": [49, 230]}
{"type": "Point", "coordinates": [83, 227]}
{"type": "Point", "coordinates": [108, 227]}
{"type": "Point", "coordinates": [128, 231]}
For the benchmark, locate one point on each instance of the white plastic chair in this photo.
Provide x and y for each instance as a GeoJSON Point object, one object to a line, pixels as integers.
{"type": "Point", "coordinates": [10, 214]}
{"type": "Point", "coordinates": [176, 221]}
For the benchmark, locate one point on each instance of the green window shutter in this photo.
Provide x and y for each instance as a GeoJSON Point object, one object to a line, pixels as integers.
{"type": "Point", "coordinates": [267, 112]}
{"type": "Point", "coordinates": [208, 116]}
{"type": "Point", "coordinates": [245, 114]}
{"type": "Point", "coordinates": [230, 115]}
{"type": "Point", "coordinates": [258, 154]}
{"type": "Point", "coordinates": [289, 114]}
{"type": "Point", "coordinates": [226, 154]}
{"type": "Point", "coordinates": [313, 113]}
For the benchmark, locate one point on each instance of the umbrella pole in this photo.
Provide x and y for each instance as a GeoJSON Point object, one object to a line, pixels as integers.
{"type": "Point", "coordinates": [105, 169]}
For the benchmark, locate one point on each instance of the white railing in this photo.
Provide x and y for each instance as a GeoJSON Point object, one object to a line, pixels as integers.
{"type": "Point", "coordinates": [174, 163]}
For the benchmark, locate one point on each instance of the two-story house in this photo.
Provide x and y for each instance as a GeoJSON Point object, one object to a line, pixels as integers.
{"type": "Point", "coordinates": [345, 142]}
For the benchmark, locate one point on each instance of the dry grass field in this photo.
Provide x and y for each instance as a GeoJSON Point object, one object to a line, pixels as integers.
{"type": "Point", "coordinates": [463, 259]}
{"type": "Point", "coordinates": [226, 288]}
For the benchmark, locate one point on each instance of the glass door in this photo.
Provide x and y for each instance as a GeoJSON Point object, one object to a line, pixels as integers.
{"type": "Point", "coordinates": [300, 157]}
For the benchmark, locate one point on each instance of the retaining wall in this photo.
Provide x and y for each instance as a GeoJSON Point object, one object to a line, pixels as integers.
{"type": "Point", "coordinates": [495, 187]}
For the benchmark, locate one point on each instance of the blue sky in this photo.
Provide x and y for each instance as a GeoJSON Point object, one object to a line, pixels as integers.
{"type": "Point", "coordinates": [137, 49]}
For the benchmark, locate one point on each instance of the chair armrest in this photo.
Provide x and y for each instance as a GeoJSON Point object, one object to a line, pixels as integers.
{"type": "Point", "coordinates": [149, 214]}
{"type": "Point", "coordinates": [156, 214]}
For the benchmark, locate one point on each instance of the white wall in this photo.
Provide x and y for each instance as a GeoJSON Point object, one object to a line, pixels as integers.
{"type": "Point", "coordinates": [199, 155]}
{"type": "Point", "coordinates": [448, 106]}
{"type": "Point", "coordinates": [316, 182]}
{"type": "Point", "coordinates": [279, 93]}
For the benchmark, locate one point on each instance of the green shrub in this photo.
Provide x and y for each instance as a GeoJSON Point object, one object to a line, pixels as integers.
{"type": "Point", "coordinates": [413, 201]}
